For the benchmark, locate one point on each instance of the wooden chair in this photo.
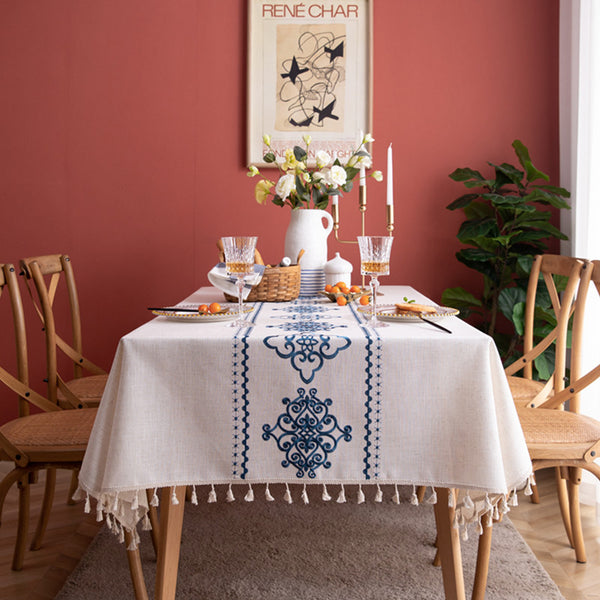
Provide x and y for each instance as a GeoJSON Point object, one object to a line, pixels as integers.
{"type": "Point", "coordinates": [46, 273]}
{"type": "Point", "coordinates": [48, 440]}
{"type": "Point", "coordinates": [525, 390]}
{"type": "Point", "coordinates": [558, 435]}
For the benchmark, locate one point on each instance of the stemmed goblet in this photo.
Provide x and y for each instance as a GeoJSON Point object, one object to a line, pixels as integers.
{"type": "Point", "coordinates": [375, 253]}
{"type": "Point", "coordinates": [239, 263]}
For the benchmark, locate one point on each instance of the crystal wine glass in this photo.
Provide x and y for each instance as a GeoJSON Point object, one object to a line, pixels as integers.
{"type": "Point", "coordinates": [239, 263]}
{"type": "Point", "coordinates": [375, 253]}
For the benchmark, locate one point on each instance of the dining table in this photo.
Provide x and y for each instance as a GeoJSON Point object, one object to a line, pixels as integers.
{"type": "Point", "coordinates": [309, 396]}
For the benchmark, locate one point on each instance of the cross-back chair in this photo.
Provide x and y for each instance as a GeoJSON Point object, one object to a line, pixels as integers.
{"type": "Point", "coordinates": [46, 272]}
{"type": "Point", "coordinates": [558, 435]}
{"type": "Point", "coordinates": [51, 439]}
{"type": "Point", "coordinates": [48, 440]}
{"type": "Point", "coordinates": [542, 280]}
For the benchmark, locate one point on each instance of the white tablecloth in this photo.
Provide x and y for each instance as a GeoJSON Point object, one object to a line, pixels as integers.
{"type": "Point", "coordinates": [309, 395]}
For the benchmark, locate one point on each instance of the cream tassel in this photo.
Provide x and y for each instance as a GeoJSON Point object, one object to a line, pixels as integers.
{"type": "Point", "coordinates": [414, 499]}
{"type": "Point", "coordinates": [304, 495]}
{"type": "Point", "coordinates": [287, 496]}
{"type": "Point", "coordinates": [87, 507]}
{"type": "Point", "coordinates": [396, 497]}
{"type": "Point", "coordinates": [174, 500]}
{"type": "Point", "coordinates": [212, 495]}
{"type": "Point", "coordinates": [528, 490]}
{"type": "Point", "coordinates": [249, 497]}
{"type": "Point", "coordinates": [433, 498]}
{"type": "Point", "coordinates": [154, 501]}
{"type": "Point", "coordinates": [341, 496]}
{"type": "Point", "coordinates": [121, 533]}
{"type": "Point", "coordinates": [361, 495]}
{"type": "Point", "coordinates": [194, 498]}
{"type": "Point", "coordinates": [146, 525]}
{"type": "Point", "coordinates": [465, 534]}
{"type": "Point", "coordinates": [379, 495]}
{"type": "Point", "coordinates": [135, 503]}
{"type": "Point", "coordinates": [325, 496]}
{"type": "Point", "coordinates": [268, 496]}
{"type": "Point", "coordinates": [513, 500]}
{"type": "Point", "coordinates": [451, 499]}
{"type": "Point", "coordinates": [115, 504]}
{"type": "Point", "coordinates": [479, 526]}
{"type": "Point", "coordinates": [99, 515]}
{"type": "Point", "coordinates": [229, 497]}
{"type": "Point", "coordinates": [467, 502]}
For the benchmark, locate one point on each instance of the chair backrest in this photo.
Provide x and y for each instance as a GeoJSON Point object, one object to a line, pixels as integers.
{"type": "Point", "coordinates": [20, 383]}
{"type": "Point", "coordinates": [542, 280]}
{"type": "Point", "coordinates": [46, 272]}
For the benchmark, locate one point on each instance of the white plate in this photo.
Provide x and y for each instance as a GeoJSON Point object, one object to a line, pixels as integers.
{"type": "Point", "coordinates": [172, 314]}
{"type": "Point", "coordinates": [387, 312]}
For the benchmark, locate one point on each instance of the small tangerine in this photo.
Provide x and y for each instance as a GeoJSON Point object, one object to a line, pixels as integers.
{"type": "Point", "coordinates": [335, 290]}
{"type": "Point", "coordinates": [215, 307]}
{"type": "Point", "coordinates": [203, 308]}
{"type": "Point", "coordinates": [328, 287]}
{"type": "Point", "coordinates": [355, 289]}
{"type": "Point", "coordinates": [341, 300]}
{"type": "Point", "coordinates": [365, 300]}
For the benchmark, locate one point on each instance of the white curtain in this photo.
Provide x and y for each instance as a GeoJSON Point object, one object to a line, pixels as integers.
{"type": "Point", "coordinates": [580, 170]}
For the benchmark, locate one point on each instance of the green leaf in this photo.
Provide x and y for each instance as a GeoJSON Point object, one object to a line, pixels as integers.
{"type": "Point", "coordinates": [553, 189]}
{"type": "Point", "coordinates": [508, 298]}
{"type": "Point", "coordinates": [518, 317]}
{"type": "Point", "coordinates": [351, 173]}
{"type": "Point", "coordinates": [523, 155]}
{"type": "Point", "coordinates": [506, 173]}
{"type": "Point", "coordinates": [300, 154]}
{"type": "Point", "coordinates": [458, 297]}
{"type": "Point", "coordinates": [544, 365]}
{"type": "Point", "coordinates": [462, 202]}
{"type": "Point", "coordinates": [476, 227]}
{"type": "Point", "coordinates": [466, 174]}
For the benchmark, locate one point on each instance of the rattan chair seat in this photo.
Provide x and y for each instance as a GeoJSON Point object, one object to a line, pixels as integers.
{"type": "Point", "coordinates": [89, 389]}
{"type": "Point", "coordinates": [543, 426]}
{"type": "Point", "coordinates": [523, 390]}
{"type": "Point", "coordinates": [67, 428]}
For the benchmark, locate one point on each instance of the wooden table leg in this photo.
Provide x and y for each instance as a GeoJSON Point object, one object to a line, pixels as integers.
{"type": "Point", "coordinates": [449, 548]}
{"type": "Point", "coordinates": [167, 563]}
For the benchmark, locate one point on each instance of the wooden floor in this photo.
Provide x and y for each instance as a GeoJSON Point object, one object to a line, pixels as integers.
{"type": "Point", "coordinates": [71, 530]}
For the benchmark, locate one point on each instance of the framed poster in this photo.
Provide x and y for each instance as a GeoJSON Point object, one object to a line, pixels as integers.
{"type": "Point", "coordinates": [309, 72]}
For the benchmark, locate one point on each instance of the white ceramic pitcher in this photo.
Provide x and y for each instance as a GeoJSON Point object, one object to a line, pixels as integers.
{"type": "Point", "coordinates": [307, 232]}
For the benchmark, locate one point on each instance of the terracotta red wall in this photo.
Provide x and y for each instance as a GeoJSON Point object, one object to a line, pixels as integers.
{"type": "Point", "coordinates": [122, 136]}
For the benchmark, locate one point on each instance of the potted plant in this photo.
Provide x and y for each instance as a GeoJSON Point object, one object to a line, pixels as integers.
{"type": "Point", "coordinates": [507, 223]}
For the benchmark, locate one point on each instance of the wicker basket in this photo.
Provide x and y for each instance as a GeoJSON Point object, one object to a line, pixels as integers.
{"type": "Point", "coordinates": [278, 284]}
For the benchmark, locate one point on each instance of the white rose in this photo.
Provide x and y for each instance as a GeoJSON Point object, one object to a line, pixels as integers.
{"type": "Point", "coordinates": [368, 139]}
{"type": "Point", "coordinates": [364, 161]}
{"type": "Point", "coordinates": [337, 175]}
{"type": "Point", "coordinates": [286, 185]}
{"type": "Point", "coordinates": [323, 159]}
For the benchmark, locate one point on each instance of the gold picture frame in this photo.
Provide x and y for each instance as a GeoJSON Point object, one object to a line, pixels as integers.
{"type": "Point", "coordinates": [310, 71]}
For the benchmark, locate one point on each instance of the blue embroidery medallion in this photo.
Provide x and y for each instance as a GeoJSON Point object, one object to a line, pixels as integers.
{"type": "Point", "coordinates": [307, 433]}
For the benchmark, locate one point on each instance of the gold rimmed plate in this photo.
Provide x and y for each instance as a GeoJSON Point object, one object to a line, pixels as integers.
{"type": "Point", "coordinates": [387, 312]}
{"type": "Point", "coordinates": [228, 312]}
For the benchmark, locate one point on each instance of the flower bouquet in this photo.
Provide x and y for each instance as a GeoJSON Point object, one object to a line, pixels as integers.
{"type": "Point", "coordinates": [299, 186]}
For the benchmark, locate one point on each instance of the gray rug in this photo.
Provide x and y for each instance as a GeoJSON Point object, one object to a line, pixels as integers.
{"type": "Point", "coordinates": [326, 551]}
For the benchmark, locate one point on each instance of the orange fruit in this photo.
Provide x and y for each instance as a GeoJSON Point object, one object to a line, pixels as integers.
{"type": "Point", "coordinates": [355, 289]}
{"type": "Point", "coordinates": [341, 284]}
{"type": "Point", "coordinates": [328, 287]}
{"type": "Point", "coordinates": [341, 300]}
{"type": "Point", "coordinates": [215, 307]}
{"type": "Point", "coordinates": [344, 289]}
{"type": "Point", "coordinates": [365, 300]}
{"type": "Point", "coordinates": [203, 308]}
{"type": "Point", "coordinates": [335, 290]}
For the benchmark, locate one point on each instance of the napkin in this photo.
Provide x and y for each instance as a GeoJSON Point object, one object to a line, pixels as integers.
{"type": "Point", "coordinates": [228, 284]}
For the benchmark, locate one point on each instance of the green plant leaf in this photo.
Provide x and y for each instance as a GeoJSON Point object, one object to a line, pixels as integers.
{"type": "Point", "coordinates": [544, 366]}
{"type": "Point", "coordinates": [474, 228]}
{"type": "Point", "coordinates": [300, 153]}
{"type": "Point", "coordinates": [553, 189]}
{"type": "Point", "coordinates": [522, 153]}
{"type": "Point", "coordinates": [458, 297]}
{"type": "Point", "coordinates": [462, 202]}
{"type": "Point", "coordinates": [508, 298]}
{"type": "Point", "coordinates": [506, 173]}
{"type": "Point", "coordinates": [518, 317]}
{"type": "Point", "coordinates": [466, 174]}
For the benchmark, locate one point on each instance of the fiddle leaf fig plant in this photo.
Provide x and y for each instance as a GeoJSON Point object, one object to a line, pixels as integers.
{"type": "Point", "coordinates": [507, 223]}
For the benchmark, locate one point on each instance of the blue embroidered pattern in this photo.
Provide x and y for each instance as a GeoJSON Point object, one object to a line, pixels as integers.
{"type": "Point", "coordinates": [307, 434]}
{"type": "Point", "coordinates": [307, 353]}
